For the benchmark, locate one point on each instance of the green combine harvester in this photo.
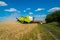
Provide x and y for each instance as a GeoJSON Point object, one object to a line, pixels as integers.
{"type": "Point", "coordinates": [29, 19]}
{"type": "Point", "coordinates": [25, 19]}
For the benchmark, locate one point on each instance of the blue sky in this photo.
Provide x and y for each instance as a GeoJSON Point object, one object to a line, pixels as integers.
{"type": "Point", "coordinates": [38, 8]}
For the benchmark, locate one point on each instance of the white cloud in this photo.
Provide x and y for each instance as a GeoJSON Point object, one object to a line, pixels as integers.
{"type": "Point", "coordinates": [15, 13]}
{"type": "Point", "coordinates": [28, 8]}
{"type": "Point", "coordinates": [39, 9]}
{"type": "Point", "coordinates": [12, 10]}
{"type": "Point", "coordinates": [3, 3]}
{"type": "Point", "coordinates": [24, 10]}
{"type": "Point", "coordinates": [40, 17]}
{"type": "Point", "coordinates": [30, 13]}
{"type": "Point", "coordinates": [54, 9]}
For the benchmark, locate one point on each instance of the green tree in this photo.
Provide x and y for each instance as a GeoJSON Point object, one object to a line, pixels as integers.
{"type": "Point", "coordinates": [53, 17]}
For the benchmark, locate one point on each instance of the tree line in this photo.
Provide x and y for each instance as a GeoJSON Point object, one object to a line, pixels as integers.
{"type": "Point", "coordinates": [53, 17]}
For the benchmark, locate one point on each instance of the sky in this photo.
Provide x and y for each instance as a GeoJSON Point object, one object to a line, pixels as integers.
{"type": "Point", "coordinates": [10, 9]}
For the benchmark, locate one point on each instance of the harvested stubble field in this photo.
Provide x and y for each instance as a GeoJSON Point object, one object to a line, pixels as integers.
{"type": "Point", "coordinates": [18, 31]}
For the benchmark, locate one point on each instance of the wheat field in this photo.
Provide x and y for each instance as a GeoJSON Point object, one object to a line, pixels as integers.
{"type": "Point", "coordinates": [18, 31]}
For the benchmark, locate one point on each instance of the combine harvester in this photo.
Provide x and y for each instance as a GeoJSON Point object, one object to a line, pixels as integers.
{"type": "Point", "coordinates": [28, 19]}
